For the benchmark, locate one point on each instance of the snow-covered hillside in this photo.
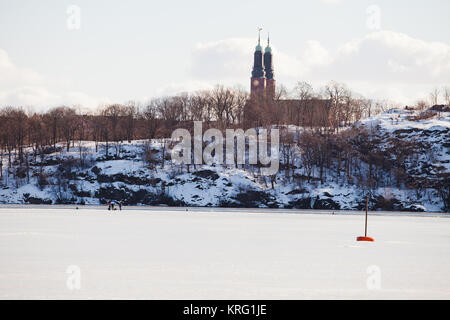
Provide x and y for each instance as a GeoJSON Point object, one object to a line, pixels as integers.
{"type": "Point", "coordinates": [430, 133]}
{"type": "Point", "coordinates": [135, 173]}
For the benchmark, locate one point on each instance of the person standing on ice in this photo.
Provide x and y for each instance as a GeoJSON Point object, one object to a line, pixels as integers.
{"type": "Point", "coordinates": [120, 205]}
{"type": "Point", "coordinates": [109, 205]}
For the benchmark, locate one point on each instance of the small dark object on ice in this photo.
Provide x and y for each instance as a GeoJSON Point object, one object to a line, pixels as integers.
{"type": "Point", "coordinates": [111, 205]}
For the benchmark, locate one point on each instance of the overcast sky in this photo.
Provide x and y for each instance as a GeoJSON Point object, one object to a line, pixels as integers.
{"type": "Point", "coordinates": [115, 51]}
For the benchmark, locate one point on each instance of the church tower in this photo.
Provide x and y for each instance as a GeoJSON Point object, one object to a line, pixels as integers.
{"type": "Point", "coordinates": [258, 81]}
{"type": "Point", "coordinates": [268, 69]}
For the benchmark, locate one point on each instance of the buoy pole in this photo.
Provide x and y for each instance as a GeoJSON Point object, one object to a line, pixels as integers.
{"type": "Point", "coordinates": [367, 209]}
{"type": "Point", "coordinates": [365, 238]}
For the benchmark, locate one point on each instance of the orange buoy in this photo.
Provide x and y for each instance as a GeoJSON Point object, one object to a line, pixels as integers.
{"type": "Point", "coordinates": [364, 239]}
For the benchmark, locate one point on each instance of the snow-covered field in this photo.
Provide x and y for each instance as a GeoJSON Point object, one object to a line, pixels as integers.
{"type": "Point", "coordinates": [165, 253]}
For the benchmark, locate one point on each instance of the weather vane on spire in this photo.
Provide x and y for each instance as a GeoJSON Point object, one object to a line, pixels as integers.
{"type": "Point", "coordinates": [259, 35]}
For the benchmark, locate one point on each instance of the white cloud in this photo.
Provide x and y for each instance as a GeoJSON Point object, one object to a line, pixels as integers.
{"type": "Point", "coordinates": [23, 87]}
{"type": "Point", "coordinates": [230, 60]}
{"type": "Point", "coordinates": [27, 96]}
{"type": "Point", "coordinates": [380, 63]}
{"type": "Point", "coordinates": [392, 56]}
{"type": "Point", "coordinates": [314, 54]}
{"type": "Point", "coordinates": [222, 60]}
{"type": "Point", "coordinates": [11, 76]}
{"type": "Point", "coordinates": [179, 87]}
{"type": "Point", "coordinates": [4, 60]}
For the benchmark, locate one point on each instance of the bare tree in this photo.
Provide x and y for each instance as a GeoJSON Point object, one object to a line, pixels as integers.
{"type": "Point", "coordinates": [150, 119]}
{"type": "Point", "coordinates": [422, 105]}
{"type": "Point", "coordinates": [434, 96]}
{"type": "Point", "coordinates": [446, 91]}
{"type": "Point", "coordinates": [114, 114]}
{"type": "Point", "coordinates": [222, 100]}
{"type": "Point", "coordinates": [304, 93]}
{"type": "Point", "coordinates": [240, 100]}
{"type": "Point", "coordinates": [69, 122]}
{"type": "Point", "coordinates": [129, 112]}
{"type": "Point", "coordinates": [338, 94]}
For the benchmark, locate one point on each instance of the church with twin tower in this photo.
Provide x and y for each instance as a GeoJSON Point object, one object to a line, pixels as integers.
{"type": "Point", "coordinates": [262, 80]}
{"type": "Point", "coordinates": [265, 106]}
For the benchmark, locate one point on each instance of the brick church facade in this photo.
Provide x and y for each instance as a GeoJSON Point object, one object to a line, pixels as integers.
{"type": "Point", "coordinates": [266, 107]}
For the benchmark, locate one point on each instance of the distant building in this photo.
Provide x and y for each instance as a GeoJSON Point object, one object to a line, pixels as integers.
{"type": "Point", "coordinates": [266, 107]}
{"type": "Point", "coordinates": [262, 81]}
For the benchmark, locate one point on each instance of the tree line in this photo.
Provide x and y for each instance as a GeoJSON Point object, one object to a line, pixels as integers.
{"type": "Point", "coordinates": [221, 107]}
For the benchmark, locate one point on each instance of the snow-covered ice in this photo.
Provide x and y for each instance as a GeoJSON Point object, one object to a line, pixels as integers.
{"type": "Point", "coordinates": [171, 253]}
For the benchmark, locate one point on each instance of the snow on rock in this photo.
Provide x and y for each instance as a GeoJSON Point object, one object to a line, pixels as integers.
{"type": "Point", "coordinates": [61, 177]}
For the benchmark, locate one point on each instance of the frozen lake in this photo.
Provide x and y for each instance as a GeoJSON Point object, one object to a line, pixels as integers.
{"type": "Point", "coordinates": [166, 253]}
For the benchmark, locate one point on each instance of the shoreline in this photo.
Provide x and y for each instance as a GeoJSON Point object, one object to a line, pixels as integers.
{"type": "Point", "coordinates": [229, 209]}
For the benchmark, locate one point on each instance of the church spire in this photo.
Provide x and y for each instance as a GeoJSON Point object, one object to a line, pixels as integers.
{"type": "Point", "coordinates": [258, 81]}
{"type": "Point", "coordinates": [258, 69]}
{"type": "Point", "coordinates": [268, 48]}
{"type": "Point", "coordinates": [268, 66]}
{"type": "Point", "coordinates": [258, 47]}
{"type": "Point", "coordinates": [268, 70]}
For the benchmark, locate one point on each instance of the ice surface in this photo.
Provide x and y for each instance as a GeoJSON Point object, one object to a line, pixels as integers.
{"type": "Point", "coordinates": [165, 253]}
